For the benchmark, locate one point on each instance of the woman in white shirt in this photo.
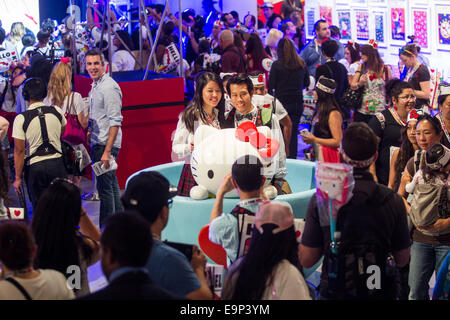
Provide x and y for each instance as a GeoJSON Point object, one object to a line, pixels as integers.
{"type": "Point", "coordinates": [352, 59]}
{"type": "Point", "coordinates": [206, 108]}
{"type": "Point", "coordinates": [17, 252]}
{"type": "Point", "coordinates": [122, 60]}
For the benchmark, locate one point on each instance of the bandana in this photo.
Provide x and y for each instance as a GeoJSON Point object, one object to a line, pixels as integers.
{"type": "Point", "coordinates": [356, 163]}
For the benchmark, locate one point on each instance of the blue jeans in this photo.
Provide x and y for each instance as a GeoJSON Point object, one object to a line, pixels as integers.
{"type": "Point", "coordinates": [107, 186]}
{"type": "Point", "coordinates": [425, 258]}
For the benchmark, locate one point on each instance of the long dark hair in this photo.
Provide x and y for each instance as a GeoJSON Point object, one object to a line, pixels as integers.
{"type": "Point", "coordinates": [288, 56]}
{"type": "Point", "coordinates": [265, 252]}
{"type": "Point", "coordinates": [405, 153]}
{"type": "Point", "coordinates": [326, 102]}
{"type": "Point", "coordinates": [195, 109]}
{"type": "Point", "coordinates": [255, 49]}
{"type": "Point", "coordinates": [374, 61]}
{"type": "Point", "coordinates": [54, 226]}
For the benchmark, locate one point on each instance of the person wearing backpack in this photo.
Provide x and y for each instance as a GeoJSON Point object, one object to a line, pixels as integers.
{"type": "Point", "coordinates": [374, 236]}
{"type": "Point", "coordinates": [37, 141]}
{"type": "Point", "coordinates": [428, 187]}
{"type": "Point", "coordinates": [224, 228]}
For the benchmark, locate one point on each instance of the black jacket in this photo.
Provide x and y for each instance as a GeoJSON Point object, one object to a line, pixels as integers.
{"type": "Point", "coordinates": [131, 286]}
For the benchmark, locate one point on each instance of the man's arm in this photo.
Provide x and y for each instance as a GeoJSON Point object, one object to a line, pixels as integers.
{"type": "Point", "coordinates": [198, 263]}
{"type": "Point", "coordinates": [113, 105]}
{"type": "Point", "coordinates": [226, 186]}
{"type": "Point", "coordinates": [19, 159]}
{"type": "Point", "coordinates": [309, 256]}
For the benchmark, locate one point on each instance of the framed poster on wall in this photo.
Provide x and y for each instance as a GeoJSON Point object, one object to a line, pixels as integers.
{"type": "Point", "coordinates": [420, 27]}
{"type": "Point", "coordinates": [398, 25]}
{"type": "Point", "coordinates": [442, 17]}
{"type": "Point", "coordinates": [379, 23]}
{"type": "Point", "coordinates": [345, 23]}
{"type": "Point", "coordinates": [311, 16]}
{"type": "Point", "coordinates": [326, 13]}
{"type": "Point", "coordinates": [362, 24]}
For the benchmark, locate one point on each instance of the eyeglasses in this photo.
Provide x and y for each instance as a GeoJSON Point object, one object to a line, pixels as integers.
{"type": "Point", "coordinates": [410, 97]}
{"type": "Point", "coordinates": [169, 203]}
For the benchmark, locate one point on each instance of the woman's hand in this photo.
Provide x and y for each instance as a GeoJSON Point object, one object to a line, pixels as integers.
{"type": "Point", "coordinates": [309, 138]}
{"type": "Point", "coordinates": [438, 226]}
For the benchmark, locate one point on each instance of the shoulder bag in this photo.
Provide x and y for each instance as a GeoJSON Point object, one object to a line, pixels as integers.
{"type": "Point", "coordinates": [352, 99]}
{"type": "Point", "coordinates": [74, 133]}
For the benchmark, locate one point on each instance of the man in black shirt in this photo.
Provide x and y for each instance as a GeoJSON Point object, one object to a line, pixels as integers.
{"type": "Point", "coordinates": [359, 150]}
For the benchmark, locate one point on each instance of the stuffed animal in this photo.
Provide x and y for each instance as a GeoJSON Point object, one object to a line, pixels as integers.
{"type": "Point", "coordinates": [216, 150]}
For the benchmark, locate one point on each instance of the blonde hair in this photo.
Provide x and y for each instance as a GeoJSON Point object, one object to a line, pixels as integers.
{"type": "Point", "coordinates": [60, 84]}
{"type": "Point", "coordinates": [17, 32]}
{"type": "Point", "coordinates": [273, 37]}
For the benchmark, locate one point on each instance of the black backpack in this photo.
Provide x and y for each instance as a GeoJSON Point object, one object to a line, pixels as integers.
{"type": "Point", "coordinates": [70, 157]}
{"type": "Point", "coordinates": [363, 251]}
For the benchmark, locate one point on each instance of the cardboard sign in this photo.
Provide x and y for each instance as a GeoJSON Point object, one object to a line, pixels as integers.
{"type": "Point", "coordinates": [6, 58]}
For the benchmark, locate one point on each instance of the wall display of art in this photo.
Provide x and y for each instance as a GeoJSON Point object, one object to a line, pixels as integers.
{"type": "Point", "coordinates": [420, 27]}
{"type": "Point", "coordinates": [398, 25]}
{"type": "Point", "coordinates": [379, 23]}
{"type": "Point", "coordinates": [345, 24]}
{"type": "Point", "coordinates": [443, 26]}
{"type": "Point", "coordinates": [326, 13]}
{"type": "Point", "coordinates": [377, 2]}
{"type": "Point", "coordinates": [362, 24]}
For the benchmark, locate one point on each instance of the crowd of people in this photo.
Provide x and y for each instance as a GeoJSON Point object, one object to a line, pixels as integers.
{"type": "Point", "coordinates": [380, 126]}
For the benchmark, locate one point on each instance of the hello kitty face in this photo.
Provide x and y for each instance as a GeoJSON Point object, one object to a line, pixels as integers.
{"type": "Point", "coordinates": [216, 151]}
{"type": "Point", "coordinates": [332, 180]}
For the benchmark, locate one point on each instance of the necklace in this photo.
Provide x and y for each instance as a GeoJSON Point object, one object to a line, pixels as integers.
{"type": "Point", "coordinates": [212, 122]}
{"type": "Point", "coordinates": [397, 117]}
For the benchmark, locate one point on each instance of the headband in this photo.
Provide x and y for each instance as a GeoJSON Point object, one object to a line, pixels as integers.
{"type": "Point", "coordinates": [356, 163]}
{"type": "Point", "coordinates": [323, 87]}
{"type": "Point", "coordinates": [352, 44]}
{"type": "Point", "coordinates": [224, 74]}
{"type": "Point", "coordinates": [402, 51]}
{"type": "Point", "coordinates": [373, 43]}
{"type": "Point", "coordinates": [65, 60]}
{"type": "Point", "coordinates": [258, 80]}
{"type": "Point", "coordinates": [444, 89]}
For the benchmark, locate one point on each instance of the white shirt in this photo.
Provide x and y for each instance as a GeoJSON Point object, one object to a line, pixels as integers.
{"type": "Point", "coordinates": [48, 285]}
{"type": "Point", "coordinates": [122, 60]}
{"type": "Point", "coordinates": [77, 107]}
{"type": "Point", "coordinates": [181, 144]}
{"type": "Point", "coordinates": [33, 136]}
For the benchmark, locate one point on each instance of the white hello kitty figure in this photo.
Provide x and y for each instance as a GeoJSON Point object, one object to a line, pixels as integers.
{"type": "Point", "coordinates": [216, 151]}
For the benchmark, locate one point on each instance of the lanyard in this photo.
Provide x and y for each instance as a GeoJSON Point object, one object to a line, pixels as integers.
{"type": "Point", "coordinates": [413, 71]}
{"type": "Point", "coordinates": [397, 117]}
{"type": "Point", "coordinates": [249, 202]}
{"type": "Point", "coordinates": [213, 123]}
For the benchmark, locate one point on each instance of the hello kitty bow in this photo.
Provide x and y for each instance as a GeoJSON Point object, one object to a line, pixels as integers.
{"type": "Point", "coordinates": [373, 43]}
{"type": "Point", "coordinates": [352, 44]}
{"type": "Point", "coordinates": [247, 132]}
{"type": "Point", "coordinates": [65, 60]}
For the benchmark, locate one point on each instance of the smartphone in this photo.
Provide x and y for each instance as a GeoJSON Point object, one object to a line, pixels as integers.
{"type": "Point", "coordinates": [304, 132]}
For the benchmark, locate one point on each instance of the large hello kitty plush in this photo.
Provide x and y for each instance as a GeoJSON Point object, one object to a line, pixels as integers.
{"type": "Point", "coordinates": [216, 151]}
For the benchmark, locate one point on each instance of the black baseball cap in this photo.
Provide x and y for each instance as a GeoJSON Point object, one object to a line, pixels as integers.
{"type": "Point", "coordinates": [148, 192]}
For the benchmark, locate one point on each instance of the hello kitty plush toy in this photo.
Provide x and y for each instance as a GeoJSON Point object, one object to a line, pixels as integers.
{"type": "Point", "coordinates": [216, 151]}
